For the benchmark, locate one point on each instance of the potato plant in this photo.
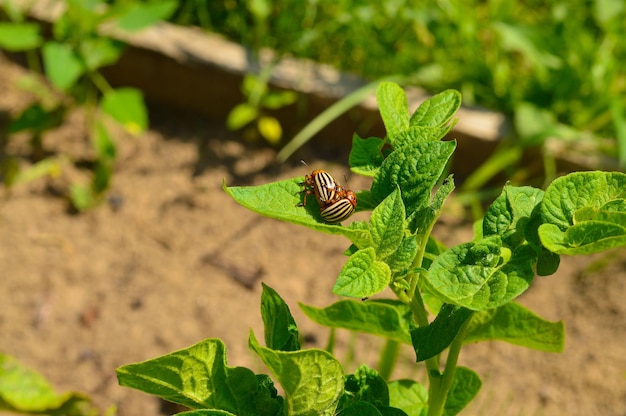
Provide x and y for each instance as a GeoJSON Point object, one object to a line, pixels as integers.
{"type": "Point", "coordinates": [443, 297]}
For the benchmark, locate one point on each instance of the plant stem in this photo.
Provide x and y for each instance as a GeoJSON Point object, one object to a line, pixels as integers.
{"type": "Point", "coordinates": [388, 358]}
{"type": "Point", "coordinates": [100, 82]}
{"type": "Point", "coordinates": [330, 345]}
{"type": "Point", "coordinates": [441, 383]}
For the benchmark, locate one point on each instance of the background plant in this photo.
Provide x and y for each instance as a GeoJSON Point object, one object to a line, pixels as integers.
{"type": "Point", "coordinates": [69, 62]}
{"type": "Point", "coordinates": [469, 289]}
{"type": "Point", "coordinates": [556, 67]}
{"type": "Point", "coordinates": [25, 391]}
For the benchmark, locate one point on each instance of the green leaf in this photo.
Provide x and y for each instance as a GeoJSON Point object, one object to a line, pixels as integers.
{"type": "Point", "coordinates": [103, 143]}
{"type": "Point", "coordinates": [63, 66]}
{"type": "Point", "coordinates": [241, 115]}
{"type": "Point", "coordinates": [270, 129]}
{"type": "Point", "coordinates": [206, 412]}
{"type": "Point", "coordinates": [584, 213]}
{"type": "Point", "coordinates": [465, 386]}
{"type": "Point", "coordinates": [385, 318]}
{"type": "Point", "coordinates": [417, 134]}
{"type": "Point", "coordinates": [423, 219]}
{"type": "Point", "coordinates": [26, 391]}
{"type": "Point", "coordinates": [196, 377]}
{"type": "Point", "coordinates": [37, 119]}
{"type": "Point", "coordinates": [437, 110]}
{"type": "Point", "coordinates": [127, 107]}
{"type": "Point", "coordinates": [387, 225]}
{"type": "Point", "coordinates": [280, 200]}
{"type": "Point", "coordinates": [360, 409]}
{"type": "Point", "coordinates": [13, 175]}
{"type": "Point", "coordinates": [547, 261]}
{"type": "Point", "coordinates": [100, 51]}
{"type": "Point", "coordinates": [281, 332]}
{"type": "Point", "coordinates": [393, 107]}
{"type": "Point", "coordinates": [16, 37]}
{"type": "Point", "coordinates": [311, 379]}
{"type": "Point", "coordinates": [480, 275]}
{"type": "Point", "coordinates": [510, 213]}
{"type": "Point", "coordinates": [431, 340]}
{"type": "Point", "coordinates": [402, 259]}
{"type": "Point", "coordinates": [366, 201]}
{"type": "Point", "coordinates": [569, 193]}
{"type": "Point", "coordinates": [142, 15]}
{"type": "Point", "coordinates": [415, 170]}
{"type": "Point", "coordinates": [366, 385]}
{"type": "Point", "coordinates": [585, 238]}
{"type": "Point", "coordinates": [362, 276]}
{"type": "Point", "coordinates": [409, 396]}
{"type": "Point", "coordinates": [278, 99]}
{"type": "Point", "coordinates": [82, 197]}
{"type": "Point", "coordinates": [102, 174]}
{"type": "Point", "coordinates": [366, 155]}
{"type": "Point", "coordinates": [517, 325]}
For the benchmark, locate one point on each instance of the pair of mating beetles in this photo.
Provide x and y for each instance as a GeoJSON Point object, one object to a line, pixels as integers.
{"type": "Point", "coordinates": [336, 203]}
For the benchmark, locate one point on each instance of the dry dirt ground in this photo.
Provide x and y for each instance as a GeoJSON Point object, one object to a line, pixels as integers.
{"type": "Point", "coordinates": [174, 261]}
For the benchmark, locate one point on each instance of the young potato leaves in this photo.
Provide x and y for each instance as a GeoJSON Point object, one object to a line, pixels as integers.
{"type": "Point", "coordinates": [431, 340]}
{"type": "Point", "coordinates": [386, 318]}
{"type": "Point", "coordinates": [584, 213]}
{"type": "Point", "coordinates": [569, 193]}
{"type": "Point", "coordinates": [281, 332]}
{"type": "Point", "coordinates": [362, 276]}
{"type": "Point", "coordinates": [366, 385]}
{"type": "Point", "coordinates": [367, 394]}
{"type": "Point", "coordinates": [402, 259]}
{"type": "Point", "coordinates": [517, 325]}
{"type": "Point", "coordinates": [366, 155]}
{"type": "Point", "coordinates": [433, 113]}
{"type": "Point", "coordinates": [415, 169]}
{"type": "Point", "coordinates": [481, 275]}
{"type": "Point", "coordinates": [423, 219]}
{"type": "Point", "coordinates": [437, 110]}
{"type": "Point", "coordinates": [387, 225]}
{"type": "Point", "coordinates": [280, 200]}
{"type": "Point", "coordinates": [393, 107]}
{"type": "Point", "coordinates": [409, 396]}
{"type": "Point", "coordinates": [312, 379]}
{"type": "Point", "coordinates": [465, 386]}
{"type": "Point", "coordinates": [415, 134]}
{"type": "Point", "coordinates": [509, 214]}
{"type": "Point", "coordinates": [198, 377]}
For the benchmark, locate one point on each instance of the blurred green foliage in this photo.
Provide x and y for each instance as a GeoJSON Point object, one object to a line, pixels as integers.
{"type": "Point", "coordinates": [65, 64]}
{"type": "Point", "coordinates": [566, 58]}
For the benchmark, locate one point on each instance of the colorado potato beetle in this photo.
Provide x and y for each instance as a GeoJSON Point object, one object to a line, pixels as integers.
{"type": "Point", "coordinates": [336, 203]}
{"type": "Point", "coordinates": [323, 186]}
{"type": "Point", "coordinates": [341, 209]}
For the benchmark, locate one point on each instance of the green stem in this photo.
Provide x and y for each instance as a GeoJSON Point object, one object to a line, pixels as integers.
{"type": "Point", "coordinates": [388, 358]}
{"type": "Point", "coordinates": [100, 82]}
{"type": "Point", "coordinates": [441, 383]}
{"type": "Point", "coordinates": [330, 345]}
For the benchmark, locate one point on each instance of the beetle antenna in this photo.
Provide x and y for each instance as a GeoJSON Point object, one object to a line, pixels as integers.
{"type": "Point", "coordinates": [304, 163]}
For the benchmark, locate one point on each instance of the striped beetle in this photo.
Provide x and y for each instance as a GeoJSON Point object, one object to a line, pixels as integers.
{"type": "Point", "coordinates": [336, 203]}
{"type": "Point", "coordinates": [341, 209]}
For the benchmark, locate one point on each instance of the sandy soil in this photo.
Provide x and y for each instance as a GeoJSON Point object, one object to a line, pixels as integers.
{"type": "Point", "coordinates": [172, 260]}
